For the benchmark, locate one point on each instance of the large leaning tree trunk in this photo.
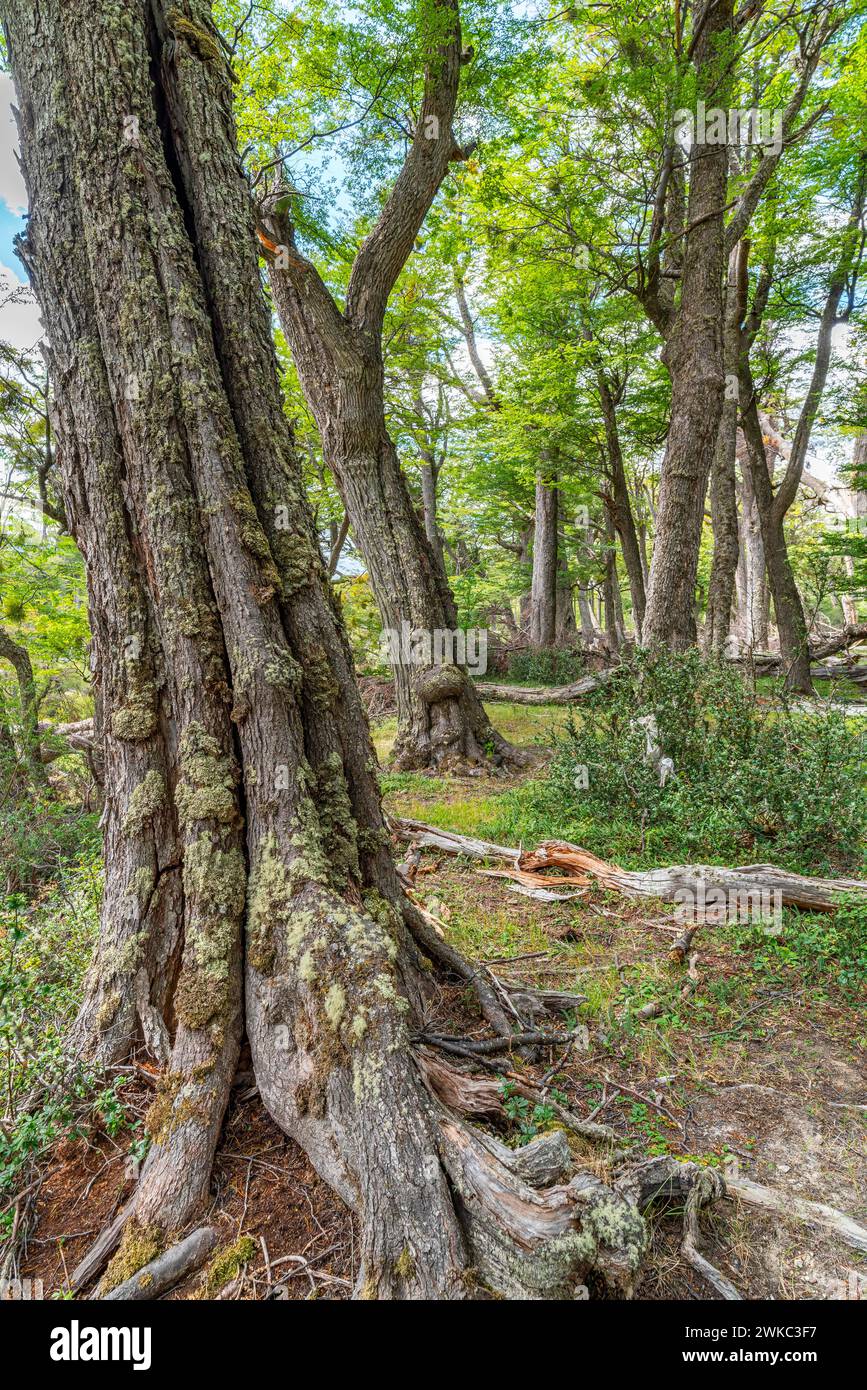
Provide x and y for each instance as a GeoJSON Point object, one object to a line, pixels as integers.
{"type": "Point", "coordinates": [249, 887]}
{"type": "Point", "coordinates": [339, 358]}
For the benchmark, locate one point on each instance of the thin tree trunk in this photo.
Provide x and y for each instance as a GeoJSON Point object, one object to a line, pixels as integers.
{"type": "Point", "coordinates": [28, 704]}
{"type": "Point", "coordinates": [240, 798]}
{"type": "Point", "coordinates": [441, 720]}
{"type": "Point", "coordinates": [429, 506]}
{"type": "Point", "coordinates": [243, 771]}
{"type": "Point", "coordinates": [339, 358]}
{"type": "Point", "coordinates": [543, 590]}
{"type": "Point", "coordinates": [788, 608]}
{"type": "Point", "coordinates": [723, 491]}
{"type": "Point", "coordinates": [612, 601]}
{"type": "Point", "coordinates": [566, 629]}
{"type": "Point", "coordinates": [623, 519]}
{"type": "Point", "coordinates": [754, 614]}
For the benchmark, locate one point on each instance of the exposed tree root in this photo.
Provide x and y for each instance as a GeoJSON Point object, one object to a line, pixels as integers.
{"type": "Point", "coordinates": [706, 1187]}
{"type": "Point", "coordinates": [170, 1268]}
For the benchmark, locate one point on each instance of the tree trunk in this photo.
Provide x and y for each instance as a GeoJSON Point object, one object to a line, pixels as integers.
{"type": "Point", "coordinates": [28, 704]}
{"type": "Point", "coordinates": [543, 590]}
{"type": "Point", "coordinates": [613, 604]}
{"type": "Point", "coordinates": [566, 628]}
{"type": "Point", "coordinates": [788, 608]}
{"type": "Point", "coordinates": [753, 596]}
{"type": "Point", "coordinates": [621, 506]}
{"type": "Point", "coordinates": [339, 357]}
{"type": "Point", "coordinates": [441, 720]}
{"type": "Point", "coordinates": [429, 506]}
{"type": "Point", "coordinates": [723, 490]}
{"type": "Point", "coordinates": [693, 355]}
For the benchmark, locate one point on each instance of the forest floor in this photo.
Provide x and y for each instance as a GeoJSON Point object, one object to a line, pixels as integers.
{"type": "Point", "coordinates": [759, 1068]}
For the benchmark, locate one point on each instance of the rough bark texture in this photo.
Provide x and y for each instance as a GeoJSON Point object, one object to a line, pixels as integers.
{"type": "Point", "coordinates": [693, 355]}
{"type": "Point", "coordinates": [751, 579]}
{"type": "Point", "coordinates": [788, 607]}
{"type": "Point", "coordinates": [620, 507]}
{"type": "Point", "coordinates": [543, 590]}
{"type": "Point", "coordinates": [339, 357]}
{"type": "Point", "coordinates": [773, 505]}
{"type": "Point", "coordinates": [248, 880]}
{"type": "Point", "coordinates": [723, 489]}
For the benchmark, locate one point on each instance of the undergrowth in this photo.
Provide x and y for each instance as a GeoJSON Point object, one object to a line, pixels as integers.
{"type": "Point", "coordinates": [751, 780]}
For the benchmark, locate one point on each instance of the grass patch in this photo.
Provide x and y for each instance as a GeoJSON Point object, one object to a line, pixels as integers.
{"type": "Point", "coordinates": [524, 725]}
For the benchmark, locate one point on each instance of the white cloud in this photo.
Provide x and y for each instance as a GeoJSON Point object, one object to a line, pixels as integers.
{"type": "Point", "coordinates": [12, 190]}
{"type": "Point", "coordinates": [19, 313]}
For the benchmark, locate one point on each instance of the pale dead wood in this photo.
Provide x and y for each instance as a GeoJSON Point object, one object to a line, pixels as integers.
{"type": "Point", "coordinates": [679, 882]}
{"type": "Point", "coordinates": [541, 694]}
{"type": "Point", "coordinates": [812, 1213]}
{"type": "Point", "coordinates": [698, 1196]}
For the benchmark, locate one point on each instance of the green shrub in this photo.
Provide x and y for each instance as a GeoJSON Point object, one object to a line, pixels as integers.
{"type": "Point", "coordinates": [823, 946]}
{"type": "Point", "coordinates": [555, 666]}
{"type": "Point", "coordinates": [752, 780]}
{"type": "Point", "coordinates": [44, 951]}
{"type": "Point", "coordinates": [41, 831]}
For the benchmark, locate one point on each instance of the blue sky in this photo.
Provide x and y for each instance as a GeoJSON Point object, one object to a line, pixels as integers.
{"type": "Point", "coordinates": [19, 318]}
{"type": "Point", "coordinates": [10, 224]}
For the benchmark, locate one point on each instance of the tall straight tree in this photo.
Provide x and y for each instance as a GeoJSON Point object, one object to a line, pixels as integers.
{"type": "Point", "coordinates": [249, 888]}
{"type": "Point", "coordinates": [338, 354]}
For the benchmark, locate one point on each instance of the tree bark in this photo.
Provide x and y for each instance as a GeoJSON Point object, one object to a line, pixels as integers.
{"type": "Point", "coordinates": [693, 355]}
{"type": "Point", "coordinates": [339, 357]}
{"type": "Point", "coordinates": [566, 628]}
{"type": "Point", "coordinates": [773, 506]}
{"type": "Point", "coordinates": [753, 595]}
{"type": "Point", "coordinates": [621, 505]}
{"type": "Point", "coordinates": [248, 881]}
{"type": "Point", "coordinates": [543, 589]}
{"type": "Point", "coordinates": [28, 703]}
{"type": "Point", "coordinates": [723, 489]}
{"type": "Point", "coordinates": [788, 607]}
{"type": "Point", "coordinates": [613, 603]}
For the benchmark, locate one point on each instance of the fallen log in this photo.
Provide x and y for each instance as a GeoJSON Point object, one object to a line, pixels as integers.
{"type": "Point", "coordinates": [812, 1213]}
{"type": "Point", "coordinates": [851, 634]}
{"type": "Point", "coordinates": [429, 837]}
{"type": "Point", "coordinates": [704, 886]}
{"type": "Point", "coordinates": [168, 1269]}
{"type": "Point", "coordinates": [542, 694]}
{"type": "Point", "coordinates": [58, 739]}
